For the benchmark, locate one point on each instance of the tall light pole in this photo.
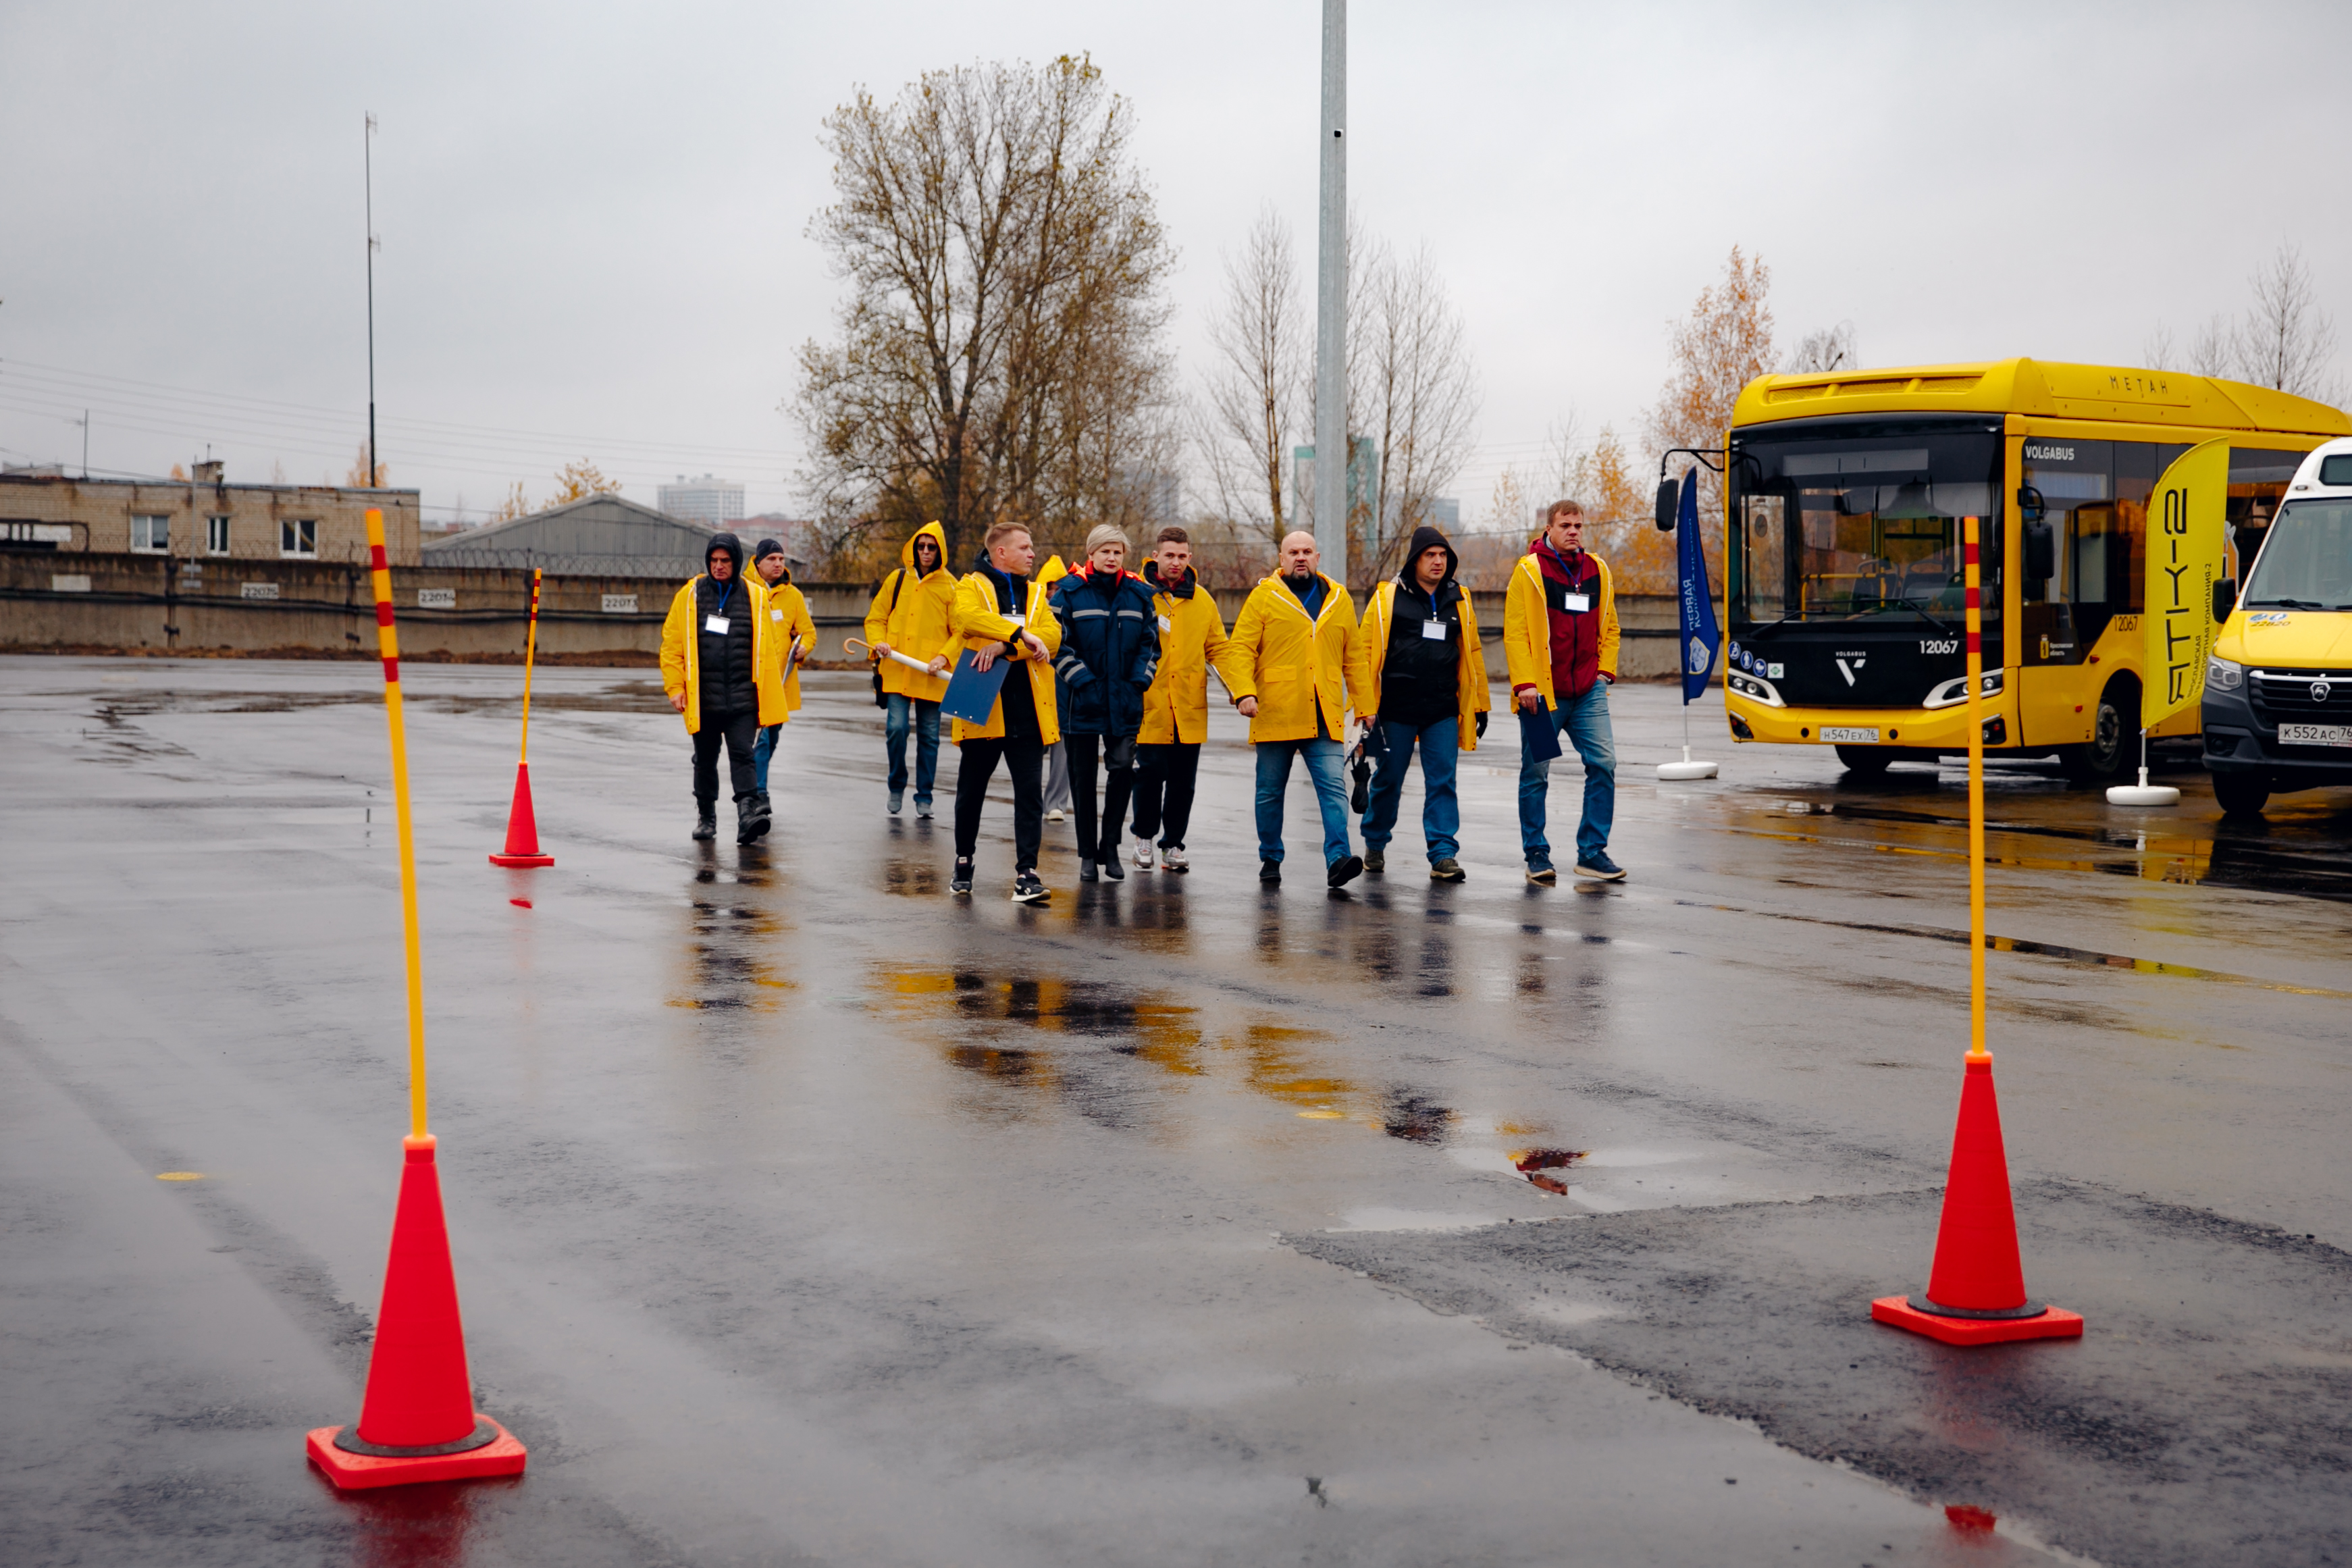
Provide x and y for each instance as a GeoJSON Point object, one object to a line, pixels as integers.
{"type": "Point", "coordinates": [1331, 304]}
{"type": "Point", "coordinates": [368, 166]}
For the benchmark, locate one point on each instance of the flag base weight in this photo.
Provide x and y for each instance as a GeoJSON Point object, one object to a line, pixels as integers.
{"type": "Point", "coordinates": [2049, 1323]}
{"type": "Point", "coordinates": [503, 1455]}
{"type": "Point", "coordinates": [1685, 770]}
{"type": "Point", "coordinates": [2143, 793]}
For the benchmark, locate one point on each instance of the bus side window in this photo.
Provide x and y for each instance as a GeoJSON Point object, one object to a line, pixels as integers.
{"type": "Point", "coordinates": [1762, 561]}
{"type": "Point", "coordinates": [2258, 481]}
{"type": "Point", "coordinates": [2137, 464]}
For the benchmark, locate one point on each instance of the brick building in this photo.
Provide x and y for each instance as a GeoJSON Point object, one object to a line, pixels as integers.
{"type": "Point", "coordinates": [44, 509]}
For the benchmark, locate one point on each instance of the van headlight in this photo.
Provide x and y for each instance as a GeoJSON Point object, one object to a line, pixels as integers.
{"type": "Point", "coordinates": [1755, 689]}
{"type": "Point", "coordinates": [1953, 692]}
{"type": "Point", "coordinates": [2222, 674]}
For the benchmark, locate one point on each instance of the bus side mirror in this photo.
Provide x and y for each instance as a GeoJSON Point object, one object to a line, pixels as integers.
{"type": "Point", "coordinates": [2041, 552]}
{"type": "Point", "coordinates": [1670, 498]}
{"type": "Point", "coordinates": [2225, 599]}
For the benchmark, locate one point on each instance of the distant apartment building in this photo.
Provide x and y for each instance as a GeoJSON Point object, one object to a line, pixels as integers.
{"type": "Point", "coordinates": [202, 516]}
{"type": "Point", "coordinates": [708, 499]}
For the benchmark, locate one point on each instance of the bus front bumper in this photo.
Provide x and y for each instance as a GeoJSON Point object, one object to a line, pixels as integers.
{"type": "Point", "coordinates": [1931, 729]}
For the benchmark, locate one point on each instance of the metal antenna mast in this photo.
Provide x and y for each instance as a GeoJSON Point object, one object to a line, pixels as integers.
{"type": "Point", "coordinates": [1331, 304]}
{"type": "Point", "coordinates": [368, 164]}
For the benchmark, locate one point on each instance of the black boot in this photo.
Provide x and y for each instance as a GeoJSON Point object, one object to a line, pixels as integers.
{"type": "Point", "coordinates": [705, 818]}
{"type": "Point", "coordinates": [750, 823]}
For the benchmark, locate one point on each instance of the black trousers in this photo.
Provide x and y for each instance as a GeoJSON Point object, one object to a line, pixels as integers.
{"type": "Point", "coordinates": [1164, 777]}
{"type": "Point", "coordinates": [1099, 843]}
{"type": "Point", "coordinates": [1025, 759]}
{"type": "Point", "coordinates": [741, 733]}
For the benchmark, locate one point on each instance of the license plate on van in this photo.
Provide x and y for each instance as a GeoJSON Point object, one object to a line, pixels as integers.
{"type": "Point", "coordinates": [1843, 735]}
{"type": "Point", "coordinates": [2307, 734]}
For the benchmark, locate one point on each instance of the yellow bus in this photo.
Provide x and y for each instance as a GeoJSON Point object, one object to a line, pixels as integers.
{"type": "Point", "coordinates": [1844, 494]}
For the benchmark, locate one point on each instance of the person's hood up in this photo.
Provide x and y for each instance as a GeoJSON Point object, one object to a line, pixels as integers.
{"type": "Point", "coordinates": [1052, 572]}
{"type": "Point", "coordinates": [732, 546]}
{"type": "Point", "coordinates": [1425, 538]}
{"type": "Point", "coordinates": [1176, 590]}
{"type": "Point", "coordinates": [764, 549]}
{"type": "Point", "coordinates": [938, 537]}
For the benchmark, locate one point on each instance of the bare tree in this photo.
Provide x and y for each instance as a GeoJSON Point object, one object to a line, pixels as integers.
{"type": "Point", "coordinates": [1255, 388]}
{"type": "Point", "coordinates": [1414, 390]}
{"type": "Point", "coordinates": [2286, 341]}
{"type": "Point", "coordinates": [1826, 348]}
{"type": "Point", "coordinates": [1001, 342]}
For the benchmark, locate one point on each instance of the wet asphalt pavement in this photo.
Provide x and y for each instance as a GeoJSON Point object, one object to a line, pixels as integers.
{"type": "Point", "coordinates": [805, 1213]}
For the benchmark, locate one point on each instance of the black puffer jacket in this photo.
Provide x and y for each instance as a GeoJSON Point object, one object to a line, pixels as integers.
{"type": "Point", "coordinates": [1421, 676]}
{"type": "Point", "coordinates": [1110, 650]}
{"type": "Point", "coordinates": [729, 686]}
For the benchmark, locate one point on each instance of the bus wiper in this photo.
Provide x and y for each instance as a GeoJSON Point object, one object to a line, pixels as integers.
{"type": "Point", "coordinates": [1910, 604]}
{"type": "Point", "coordinates": [2288, 604]}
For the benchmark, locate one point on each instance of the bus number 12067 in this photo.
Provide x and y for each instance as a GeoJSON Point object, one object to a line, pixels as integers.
{"type": "Point", "coordinates": [1939, 645]}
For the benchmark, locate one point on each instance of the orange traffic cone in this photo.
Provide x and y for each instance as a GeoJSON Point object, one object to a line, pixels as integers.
{"type": "Point", "coordinates": [1976, 1290]}
{"type": "Point", "coordinates": [417, 1420]}
{"type": "Point", "coordinates": [522, 827]}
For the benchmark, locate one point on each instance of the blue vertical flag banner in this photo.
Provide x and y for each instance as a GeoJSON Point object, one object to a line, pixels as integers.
{"type": "Point", "coordinates": [1700, 635]}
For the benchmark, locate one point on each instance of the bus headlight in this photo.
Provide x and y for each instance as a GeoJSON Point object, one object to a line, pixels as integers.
{"type": "Point", "coordinates": [1754, 690]}
{"type": "Point", "coordinates": [2224, 675]}
{"type": "Point", "coordinates": [1955, 691]}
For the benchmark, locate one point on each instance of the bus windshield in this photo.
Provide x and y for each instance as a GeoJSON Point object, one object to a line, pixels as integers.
{"type": "Point", "coordinates": [1853, 524]}
{"type": "Point", "coordinates": [2306, 560]}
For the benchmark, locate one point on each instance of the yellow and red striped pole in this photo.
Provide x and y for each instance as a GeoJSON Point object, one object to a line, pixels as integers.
{"type": "Point", "coordinates": [1976, 789]}
{"type": "Point", "coordinates": [388, 643]}
{"type": "Point", "coordinates": [529, 651]}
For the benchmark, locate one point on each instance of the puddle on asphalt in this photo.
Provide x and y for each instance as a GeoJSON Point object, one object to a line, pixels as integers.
{"type": "Point", "coordinates": [731, 942]}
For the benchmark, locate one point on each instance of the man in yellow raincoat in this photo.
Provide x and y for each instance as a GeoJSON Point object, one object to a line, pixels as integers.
{"type": "Point", "coordinates": [1428, 685]}
{"type": "Point", "coordinates": [793, 637]}
{"type": "Point", "coordinates": [910, 614]}
{"type": "Point", "coordinates": [1000, 614]}
{"type": "Point", "coordinates": [1176, 709]}
{"type": "Point", "coordinates": [721, 669]}
{"type": "Point", "coordinates": [1292, 665]}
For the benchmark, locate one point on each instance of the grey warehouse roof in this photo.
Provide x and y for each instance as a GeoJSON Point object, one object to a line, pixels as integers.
{"type": "Point", "coordinates": [603, 535]}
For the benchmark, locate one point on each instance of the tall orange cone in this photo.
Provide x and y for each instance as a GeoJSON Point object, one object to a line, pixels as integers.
{"type": "Point", "coordinates": [417, 1420]}
{"type": "Point", "coordinates": [522, 824]}
{"type": "Point", "coordinates": [1976, 1290]}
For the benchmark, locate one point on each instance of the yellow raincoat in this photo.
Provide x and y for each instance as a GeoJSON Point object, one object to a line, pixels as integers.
{"type": "Point", "coordinates": [909, 613]}
{"type": "Point", "coordinates": [975, 622]}
{"type": "Point", "coordinates": [682, 659]}
{"type": "Point", "coordinates": [1297, 667]}
{"type": "Point", "coordinates": [1380, 612]}
{"type": "Point", "coordinates": [1191, 638]}
{"type": "Point", "coordinates": [788, 617]}
{"type": "Point", "coordinates": [1527, 628]}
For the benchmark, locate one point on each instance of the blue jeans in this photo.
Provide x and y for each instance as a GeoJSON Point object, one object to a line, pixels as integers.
{"type": "Point", "coordinates": [1585, 722]}
{"type": "Point", "coordinates": [761, 750]}
{"type": "Point", "coordinates": [1323, 767]}
{"type": "Point", "coordinates": [1441, 807]}
{"type": "Point", "coordinates": [924, 721]}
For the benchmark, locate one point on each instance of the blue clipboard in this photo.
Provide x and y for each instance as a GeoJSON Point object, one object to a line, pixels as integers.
{"type": "Point", "coordinates": [1538, 739]}
{"type": "Point", "coordinates": [972, 693]}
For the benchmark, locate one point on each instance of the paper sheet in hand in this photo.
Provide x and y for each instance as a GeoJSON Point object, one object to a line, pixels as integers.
{"type": "Point", "coordinates": [972, 693]}
{"type": "Point", "coordinates": [1538, 736]}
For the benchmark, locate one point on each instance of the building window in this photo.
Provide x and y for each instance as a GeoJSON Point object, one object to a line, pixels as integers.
{"type": "Point", "coordinates": [297, 536]}
{"type": "Point", "coordinates": [216, 536]}
{"type": "Point", "coordinates": [151, 535]}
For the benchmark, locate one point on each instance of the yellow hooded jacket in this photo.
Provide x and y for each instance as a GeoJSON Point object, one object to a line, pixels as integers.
{"type": "Point", "coordinates": [681, 658]}
{"type": "Point", "coordinates": [788, 617]}
{"type": "Point", "coordinates": [1191, 638]}
{"type": "Point", "coordinates": [909, 613]}
{"type": "Point", "coordinates": [1297, 666]}
{"type": "Point", "coordinates": [1379, 613]}
{"type": "Point", "coordinates": [975, 622]}
{"type": "Point", "coordinates": [1527, 628]}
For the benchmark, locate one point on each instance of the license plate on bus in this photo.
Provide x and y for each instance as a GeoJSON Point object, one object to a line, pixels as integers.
{"type": "Point", "coordinates": [1846, 735]}
{"type": "Point", "coordinates": [2310, 735]}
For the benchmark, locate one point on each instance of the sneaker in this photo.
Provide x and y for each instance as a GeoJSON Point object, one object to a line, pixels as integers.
{"type": "Point", "coordinates": [1055, 817]}
{"type": "Point", "coordinates": [1599, 867]}
{"type": "Point", "coordinates": [1173, 859]}
{"type": "Point", "coordinates": [1342, 871]}
{"type": "Point", "coordinates": [706, 826]}
{"type": "Point", "coordinates": [1269, 873]}
{"type": "Point", "coordinates": [923, 807]}
{"type": "Point", "coordinates": [1447, 870]}
{"type": "Point", "coordinates": [1028, 887]}
{"type": "Point", "coordinates": [898, 797]}
{"type": "Point", "coordinates": [1112, 869]}
{"type": "Point", "coordinates": [1376, 861]}
{"type": "Point", "coordinates": [1143, 854]}
{"type": "Point", "coordinates": [1540, 873]}
{"type": "Point", "coordinates": [961, 881]}
{"type": "Point", "coordinates": [1087, 871]}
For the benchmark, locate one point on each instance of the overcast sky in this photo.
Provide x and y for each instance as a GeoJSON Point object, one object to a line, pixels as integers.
{"type": "Point", "coordinates": [594, 217]}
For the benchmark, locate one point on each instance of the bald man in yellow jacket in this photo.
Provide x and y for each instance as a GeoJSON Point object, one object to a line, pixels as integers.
{"type": "Point", "coordinates": [1293, 664]}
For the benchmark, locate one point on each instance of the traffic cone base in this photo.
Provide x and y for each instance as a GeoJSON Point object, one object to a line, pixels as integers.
{"type": "Point", "coordinates": [504, 1454]}
{"type": "Point", "coordinates": [2050, 1323]}
{"type": "Point", "coordinates": [522, 827]}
